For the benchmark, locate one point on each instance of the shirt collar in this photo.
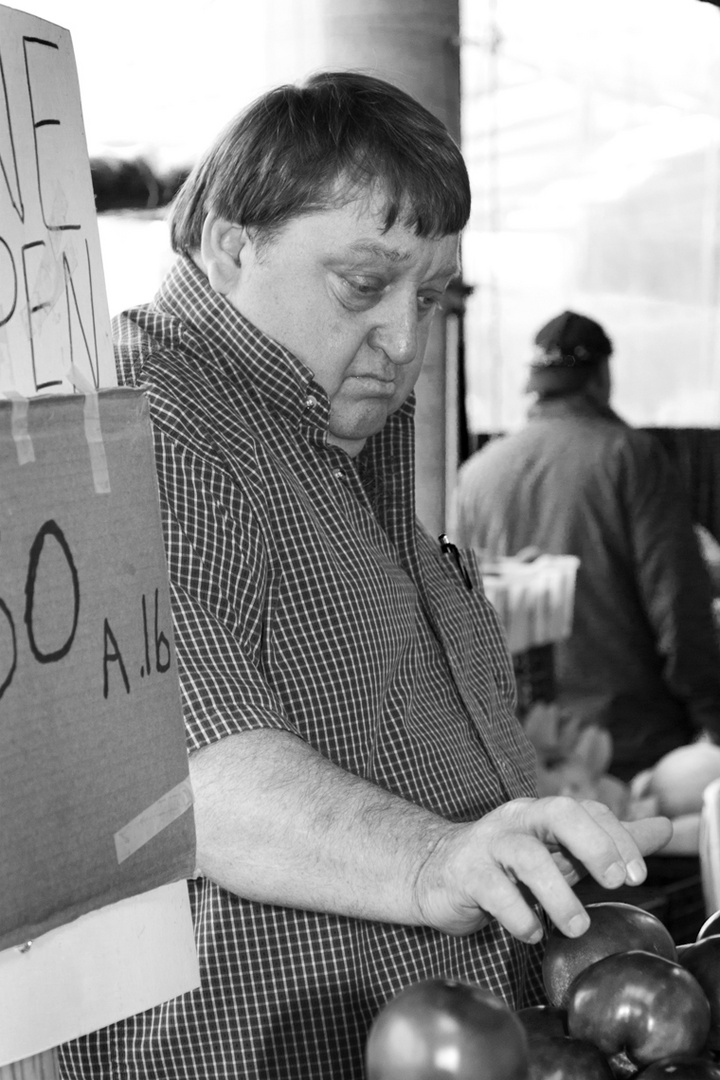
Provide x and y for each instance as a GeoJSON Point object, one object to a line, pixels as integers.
{"type": "Point", "coordinates": [242, 352]}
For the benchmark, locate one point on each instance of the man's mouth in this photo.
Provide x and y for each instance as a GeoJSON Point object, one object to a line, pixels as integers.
{"type": "Point", "coordinates": [377, 384]}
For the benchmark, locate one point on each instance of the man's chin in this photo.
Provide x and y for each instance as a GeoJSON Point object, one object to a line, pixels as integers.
{"type": "Point", "coordinates": [361, 424]}
{"type": "Point", "coordinates": [352, 437]}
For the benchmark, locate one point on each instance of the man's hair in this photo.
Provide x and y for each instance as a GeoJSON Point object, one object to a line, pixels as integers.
{"type": "Point", "coordinates": [300, 149]}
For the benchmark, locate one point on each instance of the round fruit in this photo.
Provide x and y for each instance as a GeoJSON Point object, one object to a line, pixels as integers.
{"type": "Point", "coordinates": [703, 961]}
{"type": "Point", "coordinates": [681, 776]}
{"type": "Point", "coordinates": [560, 1058]}
{"type": "Point", "coordinates": [614, 928]}
{"type": "Point", "coordinates": [681, 1068]}
{"type": "Point", "coordinates": [440, 1029]}
{"type": "Point", "coordinates": [640, 1004]}
{"type": "Point", "coordinates": [543, 1020]}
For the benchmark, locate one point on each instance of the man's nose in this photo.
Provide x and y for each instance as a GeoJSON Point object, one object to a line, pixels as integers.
{"type": "Point", "coordinates": [396, 332]}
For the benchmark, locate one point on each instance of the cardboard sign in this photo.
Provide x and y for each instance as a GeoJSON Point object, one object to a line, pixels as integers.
{"type": "Point", "coordinates": [53, 307]}
{"type": "Point", "coordinates": [147, 951]}
{"type": "Point", "coordinates": [95, 796]}
{"type": "Point", "coordinates": [95, 802]}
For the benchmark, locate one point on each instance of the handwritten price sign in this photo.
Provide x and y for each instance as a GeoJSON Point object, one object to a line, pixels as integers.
{"type": "Point", "coordinates": [50, 634]}
{"type": "Point", "coordinates": [93, 767]}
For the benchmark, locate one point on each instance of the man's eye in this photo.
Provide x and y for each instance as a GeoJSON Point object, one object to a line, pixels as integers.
{"type": "Point", "coordinates": [359, 293]}
{"type": "Point", "coordinates": [364, 287]}
{"type": "Point", "coordinates": [427, 302]}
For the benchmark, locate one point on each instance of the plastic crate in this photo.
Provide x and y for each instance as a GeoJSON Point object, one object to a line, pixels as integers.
{"type": "Point", "coordinates": [672, 891]}
{"type": "Point", "coordinates": [535, 676]}
{"type": "Point", "coordinates": [534, 600]}
{"type": "Point", "coordinates": [679, 881]}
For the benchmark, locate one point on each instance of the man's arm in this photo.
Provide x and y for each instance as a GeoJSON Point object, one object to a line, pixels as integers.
{"type": "Point", "coordinates": [278, 823]}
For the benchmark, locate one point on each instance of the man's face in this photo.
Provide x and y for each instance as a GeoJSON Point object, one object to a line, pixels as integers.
{"type": "Point", "coordinates": [352, 303]}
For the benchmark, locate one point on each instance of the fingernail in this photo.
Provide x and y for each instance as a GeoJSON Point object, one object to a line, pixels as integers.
{"type": "Point", "coordinates": [615, 875]}
{"type": "Point", "coordinates": [636, 871]}
{"type": "Point", "coordinates": [578, 924]}
{"type": "Point", "coordinates": [535, 936]}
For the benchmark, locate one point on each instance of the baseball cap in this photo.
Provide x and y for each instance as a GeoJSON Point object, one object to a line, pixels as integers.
{"type": "Point", "coordinates": [566, 349]}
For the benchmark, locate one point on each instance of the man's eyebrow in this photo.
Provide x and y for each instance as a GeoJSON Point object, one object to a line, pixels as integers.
{"type": "Point", "coordinates": [378, 251]}
{"type": "Point", "coordinates": [365, 248]}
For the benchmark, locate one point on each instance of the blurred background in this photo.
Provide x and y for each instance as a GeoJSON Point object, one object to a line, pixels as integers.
{"type": "Point", "coordinates": [592, 135]}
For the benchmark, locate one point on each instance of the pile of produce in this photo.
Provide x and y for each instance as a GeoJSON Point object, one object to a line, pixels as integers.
{"type": "Point", "coordinates": [625, 1003]}
{"type": "Point", "coordinates": [574, 759]}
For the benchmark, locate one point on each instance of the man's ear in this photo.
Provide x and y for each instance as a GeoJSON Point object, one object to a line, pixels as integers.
{"type": "Point", "coordinates": [221, 245]}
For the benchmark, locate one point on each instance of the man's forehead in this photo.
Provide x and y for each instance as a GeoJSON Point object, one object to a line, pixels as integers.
{"type": "Point", "coordinates": [369, 205]}
{"type": "Point", "coordinates": [377, 250]}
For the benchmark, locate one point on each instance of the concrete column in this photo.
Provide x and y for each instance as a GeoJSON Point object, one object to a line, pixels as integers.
{"type": "Point", "coordinates": [415, 44]}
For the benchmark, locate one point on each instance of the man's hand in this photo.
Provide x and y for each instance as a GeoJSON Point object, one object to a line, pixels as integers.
{"type": "Point", "coordinates": [532, 851]}
{"type": "Point", "coordinates": [278, 823]}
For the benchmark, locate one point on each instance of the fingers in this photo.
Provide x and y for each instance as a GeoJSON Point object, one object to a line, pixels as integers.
{"type": "Point", "coordinates": [611, 855]}
{"type": "Point", "coordinates": [530, 852]}
{"type": "Point", "coordinates": [651, 833]}
{"type": "Point", "coordinates": [530, 878]}
{"type": "Point", "coordinates": [511, 904]}
{"type": "Point", "coordinates": [488, 888]}
{"type": "Point", "coordinates": [589, 837]}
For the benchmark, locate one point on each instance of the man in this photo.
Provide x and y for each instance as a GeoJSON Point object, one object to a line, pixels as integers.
{"type": "Point", "coordinates": [642, 658]}
{"type": "Point", "coordinates": [363, 792]}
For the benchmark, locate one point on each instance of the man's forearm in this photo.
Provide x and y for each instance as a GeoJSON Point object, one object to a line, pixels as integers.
{"type": "Point", "coordinates": [279, 823]}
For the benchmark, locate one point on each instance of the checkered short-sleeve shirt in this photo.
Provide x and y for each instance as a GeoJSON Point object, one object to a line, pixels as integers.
{"type": "Point", "coordinates": [307, 598]}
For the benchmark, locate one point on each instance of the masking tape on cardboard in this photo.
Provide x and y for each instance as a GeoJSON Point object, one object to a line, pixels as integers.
{"type": "Point", "coordinates": [19, 427]}
{"type": "Point", "coordinates": [93, 431]}
{"type": "Point", "coordinates": [152, 821]}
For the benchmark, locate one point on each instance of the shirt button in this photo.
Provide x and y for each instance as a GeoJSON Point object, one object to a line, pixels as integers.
{"type": "Point", "coordinates": [339, 474]}
{"type": "Point", "coordinates": [310, 402]}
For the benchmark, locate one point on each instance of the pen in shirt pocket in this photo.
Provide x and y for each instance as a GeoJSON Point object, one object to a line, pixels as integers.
{"type": "Point", "coordinates": [448, 548]}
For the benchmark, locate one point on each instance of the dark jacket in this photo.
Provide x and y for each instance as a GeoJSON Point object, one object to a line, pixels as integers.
{"type": "Point", "coordinates": [643, 658]}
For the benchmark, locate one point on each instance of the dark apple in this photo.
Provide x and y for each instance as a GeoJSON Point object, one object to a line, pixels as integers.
{"type": "Point", "coordinates": [703, 961]}
{"type": "Point", "coordinates": [639, 1004]}
{"type": "Point", "coordinates": [681, 1068]}
{"type": "Point", "coordinates": [555, 1057]}
{"type": "Point", "coordinates": [440, 1029]}
{"type": "Point", "coordinates": [614, 927]}
{"type": "Point", "coordinates": [543, 1020]}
